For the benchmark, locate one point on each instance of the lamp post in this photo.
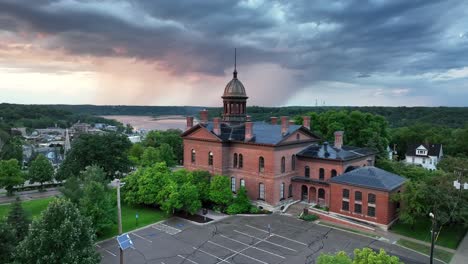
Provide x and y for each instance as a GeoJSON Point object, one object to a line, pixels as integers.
{"type": "Point", "coordinates": [433, 228]}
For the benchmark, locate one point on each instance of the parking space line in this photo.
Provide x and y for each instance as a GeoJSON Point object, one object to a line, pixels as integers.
{"type": "Point", "coordinates": [209, 254]}
{"type": "Point", "coordinates": [265, 240]}
{"type": "Point", "coordinates": [187, 259]}
{"type": "Point", "coordinates": [144, 238]}
{"type": "Point", "coordinates": [110, 252]}
{"type": "Point", "coordinates": [252, 246]}
{"type": "Point", "coordinates": [236, 252]}
{"type": "Point", "coordinates": [98, 246]}
{"type": "Point", "coordinates": [273, 234]}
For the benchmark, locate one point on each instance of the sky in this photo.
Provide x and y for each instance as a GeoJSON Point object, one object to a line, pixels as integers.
{"type": "Point", "coordinates": [302, 52]}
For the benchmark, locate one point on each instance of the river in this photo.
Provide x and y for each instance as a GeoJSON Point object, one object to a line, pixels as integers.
{"type": "Point", "coordinates": [151, 123]}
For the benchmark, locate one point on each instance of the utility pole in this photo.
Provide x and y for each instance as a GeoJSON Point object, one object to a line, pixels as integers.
{"type": "Point", "coordinates": [119, 217]}
{"type": "Point", "coordinates": [432, 236]}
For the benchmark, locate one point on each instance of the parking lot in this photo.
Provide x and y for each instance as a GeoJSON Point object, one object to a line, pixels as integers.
{"type": "Point", "coordinates": [262, 239]}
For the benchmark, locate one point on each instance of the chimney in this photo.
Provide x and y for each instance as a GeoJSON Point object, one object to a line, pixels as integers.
{"type": "Point", "coordinates": [370, 162]}
{"type": "Point", "coordinates": [216, 127]}
{"type": "Point", "coordinates": [248, 130]}
{"type": "Point", "coordinates": [189, 122]}
{"type": "Point", "coordinates": [306, 122]}
{"type": "Point", "coordinates": [291, 122]}
{"type": "Point", "coordinates": [248, 118]}
{"type": "Point", "coordinates": [274, 120]}
{"type": "Point", "coordinates": [284, 125]}
{"type": "Point", "coordinates": [204, 116]}
{"type": "Point", "coordinates": [339, 139]}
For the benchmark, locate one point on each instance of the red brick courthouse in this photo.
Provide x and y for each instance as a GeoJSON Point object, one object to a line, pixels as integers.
{"type": "Point", "coordinates": [280, 163]}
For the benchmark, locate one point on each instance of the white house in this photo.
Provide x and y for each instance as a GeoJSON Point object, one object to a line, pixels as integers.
{"type": "Point", "coordinates": [425, 155]}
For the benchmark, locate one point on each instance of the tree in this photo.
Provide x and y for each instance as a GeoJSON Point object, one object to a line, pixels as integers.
{"type": "Point", "coordinates": [220, 190]}
{"type": "Point", "coordinates": [12, 149]}
{"type": "Point", "coordinates": [18, 221]}
{"type": "Point", "coordinates": [98, 203]}
{"type": "Point", "coordinates": [94, 173]}
{"type": "Point", "coordinates": [166, 154]}
{"type": "Point", "coordinates": [201, 179]}
{"type": "Point", "coordinates": [108, 151]}
{"type": "Point", "coordinates": [10, 175]}
{"type": "Point", "coordinates": [7, 242]}
{"type": "Point", "coordinates": [135, 153]}
{"type": "Point", "coordinates": [451, 164]}
{"type": "Point", "coordinates": [41, 170]}
{"type": "Point", "coordinates": [150, 157]}
{"type": "Point", "coordinates": [60, 235]}
{"type": "Point", "coordinates": [361, 256]}
{"type": "Point", "coordinates": [241, 203]}
{"type": "Point", "coordinates": [72, 190]}
{"type": "Point", "coordinates": [171, 137]}
{"type": "Point", "coordinates": [189, 198]}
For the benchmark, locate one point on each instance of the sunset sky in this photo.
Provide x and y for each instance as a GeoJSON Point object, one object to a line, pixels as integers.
{"type": "Point", "coordinates": [138, 52]}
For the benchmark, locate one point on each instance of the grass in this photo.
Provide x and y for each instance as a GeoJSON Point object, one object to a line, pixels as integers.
{"type": "Point", "coordinates": [450, 236]}
{"type": "Point", "coordinates": [350, 230]}
{"type": "Point", "coordinates": [438, 253]}
{"type": "Point", "coordinates": [146, 215]}
{"type": "Point", "coordinates": [32, 208]}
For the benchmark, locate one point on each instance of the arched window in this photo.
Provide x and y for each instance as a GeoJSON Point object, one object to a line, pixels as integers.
{"type": "Point", "coordinates": [333, 173]}
{"type": "Point", "coordinates": [290, 190]}
{"type": "Point", "coordinates": [321, 194]}
{"type": "Point", "coordinates": [358, 196]}
{"type": "Point", "coordinates": [261, 191]}
{"type": "Point", "coordinates": [210, 158]}
{"type": "Point", "coordinates": [242, 182]}
{"type": "Point", "coordinates": [241, 161]}
{"type": "Point", "coordinates": [307, 172]}
{"type": "Point", "coordinates": [261, 164]}
{"type": "Point", "coordinates": [321, 174]}
{"type": "Point", "coordinates": [233, 184]}
{"type": "Point", "coordinates": [235, 160]}
{"type": "Point", "coordinates": [283, 165]}
{"type": "Point", "coordinates": [282, 191]}
{"type": "Point", "coordinates": [193, 155]}
{"type": "Point", "coordinates": [293, 162]}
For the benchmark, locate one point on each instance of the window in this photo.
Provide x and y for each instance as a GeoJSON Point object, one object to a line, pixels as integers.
{"type": "Point", "coordinates": [242, 183]}
{"type": "Point", "coordinates": [235, 160]}
{"type": "Point", "coordinates": [290, 191]}
{"type": "Point", "coordinates": [241, 161]}
{"type": "Point", "coordinates": [233, 184]}
{"type": "Point", "coordinates": [321, 174]}
{"type": "Point", "coordinates": [210, 158]}
{"type": "Point", "coordinates": [358, 208]}
{"type": "Point", "coordinates": [333, 173]}
{"type": "Point", "coordinates": [283, 165]}
{"type": "Point", "coordinates": [424, 160]}
{"type": "Point", "coordinates": [412, 160]}
{"type": "Point", "coordinates": [261, 164]}
{"type": "Point", "coordinates": [345, 205]}
{"type": "Point", "coordinates": [307, 172]}
{"type": "Point", "coordinates": [321, 194]}
{"type": "Point", "coordinates": [298, 136]}
{"type": "Point", "coordinates": [193, 155]}
{"type": "Point", "coordinates": [261, 191]}
{"type": "Point", "coordinates": [358, 196]}
{"type": "Point", "coordinates": [293, 162]}
{"type": "Point", "coordinates": [345, 194]}
{"type": "Point", "coordinates": [371, 211]}
{"type": "Point", "coordinates": [371, 198]}
{"type": "Point", "coordinates": [282, 191]}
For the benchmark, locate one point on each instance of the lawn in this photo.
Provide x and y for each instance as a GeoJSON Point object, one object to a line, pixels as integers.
{"type": "Point", "coordinates": [32, 208]}
{"type": "Point", "coordinates": [438, 253]}
{"type": "Point", "coordinates": [146, 215]}
{"type": "Point", "coordinates": [450, 236]}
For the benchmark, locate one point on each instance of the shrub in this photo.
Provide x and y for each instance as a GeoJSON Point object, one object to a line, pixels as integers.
{"type": "Point", "coordinates": [309, 217]}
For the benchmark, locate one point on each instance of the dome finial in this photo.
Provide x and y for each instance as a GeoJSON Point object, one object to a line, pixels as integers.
{"type": "Point", "coordinates": [235, 64]}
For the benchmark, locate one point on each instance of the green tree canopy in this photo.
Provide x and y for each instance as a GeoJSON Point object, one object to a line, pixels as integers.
{"type": "Point", "coordinates": [98, 203]}
{"type": "Point", "coordinates": [220, 190]}
{"type": "Point", "coordinates": [10, 175]}
{"type": "Point", "coordinates": [108, 151]}
{"type": "Point", "coordinates": [41, 170]}
{"type": "Point", "coordinates": [241, 203]}
{"type": "Point", "coordinates": [171, 137]}
{"type": "Point", "coordinates": [18, 220]}
{"type": "Point", "coordinates": [7, 242]}
{"type": "Point", "coordinates": [60, 236]}
{"type": "Point", "coordinates": [361, 256]}
{"type": "Point", "coordinates": [11, 148]}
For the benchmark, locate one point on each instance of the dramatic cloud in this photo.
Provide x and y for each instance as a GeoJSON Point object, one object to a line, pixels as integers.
{"type": "Point", "coordinates": [393, 52]}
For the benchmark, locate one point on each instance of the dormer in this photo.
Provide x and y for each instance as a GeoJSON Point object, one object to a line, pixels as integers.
{"type": "Point", "coordinates": [421, 151]}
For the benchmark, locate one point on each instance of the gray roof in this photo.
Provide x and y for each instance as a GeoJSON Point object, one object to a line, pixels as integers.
{"type": "Point", "coordinates": [433, 149]}
{"type": "Point", "coordinates": [264, 133]}
{"type": "Point", "coordinates": [327, 151]}
{"type": "Point", "coordinates": [370, 177]}
{"type": "Point", "coordinates": [234, 88]}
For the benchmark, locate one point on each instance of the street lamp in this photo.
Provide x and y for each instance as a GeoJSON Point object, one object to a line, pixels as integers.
{"type": "Point", "coordinates": [433, 228]}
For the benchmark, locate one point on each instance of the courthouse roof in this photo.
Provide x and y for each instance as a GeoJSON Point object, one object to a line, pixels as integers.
{"type": "Point", "coordinates": [370, 177]}
{"type": "Point", "coordinates": [327, 151]}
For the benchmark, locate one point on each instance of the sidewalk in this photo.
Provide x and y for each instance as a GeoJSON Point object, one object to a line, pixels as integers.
{"type": "Point", "coordinates": [29, 195]}
{"type": "Point", "coordinates": [461, 255]}
{"type": "Point", "coordinates": [393, 238]}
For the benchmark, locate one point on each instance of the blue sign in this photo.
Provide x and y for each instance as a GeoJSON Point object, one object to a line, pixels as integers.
{"type": "Point", "coordinates": [136, 216]}
{"type": "Point", "coordinates": [124, 241]}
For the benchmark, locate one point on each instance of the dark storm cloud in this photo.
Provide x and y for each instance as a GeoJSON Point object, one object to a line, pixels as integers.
{"type": "Point", "coordinates": [326, 40]}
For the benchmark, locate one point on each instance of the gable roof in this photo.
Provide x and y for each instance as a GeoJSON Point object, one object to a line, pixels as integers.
{"type": "Point", "coordinates": [432, 149]}
{"type": "Point", "coordinates": [370, 177]}
{"type": "Point", "coordinates": [327, 151]}
{"type": "Point", "coordinates": [263, 133]}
